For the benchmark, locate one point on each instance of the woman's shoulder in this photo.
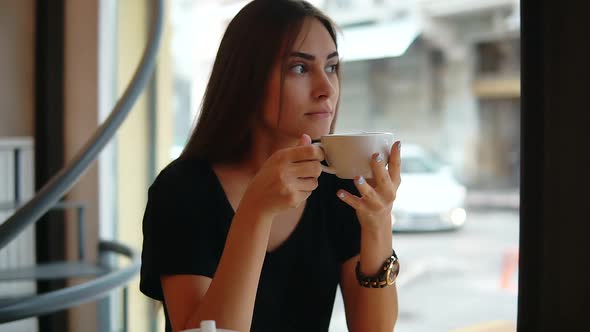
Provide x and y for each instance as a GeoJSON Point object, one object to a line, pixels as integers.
{"type": "Point", "coordinates": [182, 173]}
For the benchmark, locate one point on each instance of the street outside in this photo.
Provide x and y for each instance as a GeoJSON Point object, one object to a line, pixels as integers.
{"type": "Point", "coordinates": [452, 280]}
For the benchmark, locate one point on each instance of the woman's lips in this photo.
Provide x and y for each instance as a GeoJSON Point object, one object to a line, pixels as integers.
{"type": "Point", "coordinates": [319, 114]}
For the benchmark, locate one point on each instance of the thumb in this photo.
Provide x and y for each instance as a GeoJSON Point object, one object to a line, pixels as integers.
{"type": "Point", "coordinates": [304, 140]}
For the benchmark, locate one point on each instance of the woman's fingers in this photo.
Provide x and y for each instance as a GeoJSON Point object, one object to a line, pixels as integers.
{"type": "Point", "coordinates": [307, 184]}
{"type": "Point", "coordinates": [302, 153]}
{"type": "Point", "coordinates": [381, 192]}
{"type": "Point", "coordinates": [369, 198]}
{"type": "Point", "coordinates": [366, 191]}
{"type": "Point", "coordinates": [354, 201]}
{"type": "Point", "coordinates": [305, 175]}
{"type": "Point", "coordinates": [306, 169]}
{"type": "Point", "coordinates": [381, 177]}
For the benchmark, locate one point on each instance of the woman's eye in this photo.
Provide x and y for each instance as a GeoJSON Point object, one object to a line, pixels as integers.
{"type": "Point", "coordinates": [332, 68]}
{"type": "Point", "coordinates": [299, 69]}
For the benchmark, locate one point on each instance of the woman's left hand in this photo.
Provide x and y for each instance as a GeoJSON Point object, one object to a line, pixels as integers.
{"type": "Point", "coordinates": [373, 207]}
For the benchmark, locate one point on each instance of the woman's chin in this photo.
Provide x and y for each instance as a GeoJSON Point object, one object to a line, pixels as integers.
{"type": "Point", "coordinates": [317, 136]}
{"type": "Point", "coordinates": [313, 133]}
{"type": "Point", "coordinates": [317, 133]}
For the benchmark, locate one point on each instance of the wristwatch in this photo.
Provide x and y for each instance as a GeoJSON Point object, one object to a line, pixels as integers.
{"type": "Point", "coordinates": [385, 277]}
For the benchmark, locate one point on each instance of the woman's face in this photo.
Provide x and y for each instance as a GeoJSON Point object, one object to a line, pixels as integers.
{"type": "Point", "coordinates": [310, 88]}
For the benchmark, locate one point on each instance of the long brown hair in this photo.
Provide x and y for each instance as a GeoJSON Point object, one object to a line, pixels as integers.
{"type": "Point", "coordinates": [237, 86]}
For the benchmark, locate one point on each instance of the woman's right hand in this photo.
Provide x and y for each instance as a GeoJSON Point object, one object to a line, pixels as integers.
{"type": "Point", "coordinates": [286, 179]}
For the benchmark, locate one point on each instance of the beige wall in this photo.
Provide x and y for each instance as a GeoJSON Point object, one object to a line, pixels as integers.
{"type": "Point", "coordinates": [81, 121]}
{"type": "Point", "coordinates": [132, 143]}
{"type": "Point", "coordinates": [17, 54]}
{"type": "Point", "coordinates": [164, 87]}
{"type": "Point", "coordinates": [132, 150]}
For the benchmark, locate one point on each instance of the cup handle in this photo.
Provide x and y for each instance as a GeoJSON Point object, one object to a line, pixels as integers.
{"type": "Point", "coordinates": [325, 168]}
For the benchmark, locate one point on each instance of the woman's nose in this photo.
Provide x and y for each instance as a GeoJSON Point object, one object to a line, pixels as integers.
{"type": "Point", "coordinates": [323, 86]}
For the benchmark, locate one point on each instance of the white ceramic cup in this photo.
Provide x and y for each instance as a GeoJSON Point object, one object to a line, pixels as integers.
{"type": "Point", "coordinates": [349, 155]}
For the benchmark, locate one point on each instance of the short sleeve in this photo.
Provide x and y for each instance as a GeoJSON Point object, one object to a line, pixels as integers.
{"type": "Point", "coordinates": [183, 228]}
{"type": "Point", "coordinates": [344, 220]}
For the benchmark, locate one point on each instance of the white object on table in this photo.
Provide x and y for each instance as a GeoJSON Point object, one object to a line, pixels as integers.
{"type": "Point", "coordinates": [208, 326]}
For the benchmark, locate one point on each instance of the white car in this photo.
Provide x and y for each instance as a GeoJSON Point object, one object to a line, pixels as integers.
{"type": "Point", "coordinates": [429, 197]}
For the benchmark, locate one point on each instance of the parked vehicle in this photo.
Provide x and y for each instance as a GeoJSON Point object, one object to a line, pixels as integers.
{"type": "Point", "coordinates": [429, 197]}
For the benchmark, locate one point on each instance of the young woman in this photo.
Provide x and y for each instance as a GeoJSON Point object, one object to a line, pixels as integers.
{"type": "Point", "coordinates": [244, 228]}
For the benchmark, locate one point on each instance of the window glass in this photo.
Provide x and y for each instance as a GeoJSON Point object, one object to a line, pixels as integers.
{"type": "Point", "coordinates": [444, 77]}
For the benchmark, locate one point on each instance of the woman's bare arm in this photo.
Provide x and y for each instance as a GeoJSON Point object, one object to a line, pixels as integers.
{"type": "Point", "coordinates": [286, 180]}
{"type": "Point", "coordinates": [229, 298]}
{"type": "Point", "coordinates": [369, 309]}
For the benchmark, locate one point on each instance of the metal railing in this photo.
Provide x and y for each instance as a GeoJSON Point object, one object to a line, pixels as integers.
{"type": "Point", "coordinates": [74, 295]}
{"type": "Point", "coordinates": [49, 195]}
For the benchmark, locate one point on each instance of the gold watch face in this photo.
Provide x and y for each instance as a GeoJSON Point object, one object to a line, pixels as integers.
{"type": "Point", "coordinates": [392, 272]}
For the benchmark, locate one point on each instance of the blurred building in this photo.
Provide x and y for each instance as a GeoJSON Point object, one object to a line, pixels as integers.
{"type": "Point", "coordinates": [455, 88]}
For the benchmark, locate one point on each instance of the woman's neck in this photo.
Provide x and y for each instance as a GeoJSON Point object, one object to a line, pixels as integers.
{"type": "Point", "coordinates": [264, 144]}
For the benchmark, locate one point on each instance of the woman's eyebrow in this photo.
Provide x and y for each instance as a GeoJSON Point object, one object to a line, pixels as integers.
{"type": "Point", "coordinates": [331, 55]}
{"type": "Point", "coordinates": [311, 57]}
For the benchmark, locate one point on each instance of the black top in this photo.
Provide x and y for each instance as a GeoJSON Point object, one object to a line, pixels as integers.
{"type": "Point", "coordinates": [186, 223]}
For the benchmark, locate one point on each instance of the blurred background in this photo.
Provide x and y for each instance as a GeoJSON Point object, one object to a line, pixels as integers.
{"type": "Point", "coordinates": [442, 75]}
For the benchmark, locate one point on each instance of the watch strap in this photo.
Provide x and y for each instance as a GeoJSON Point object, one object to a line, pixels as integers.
{"type": "Point", "coordinates": [380, 279]}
